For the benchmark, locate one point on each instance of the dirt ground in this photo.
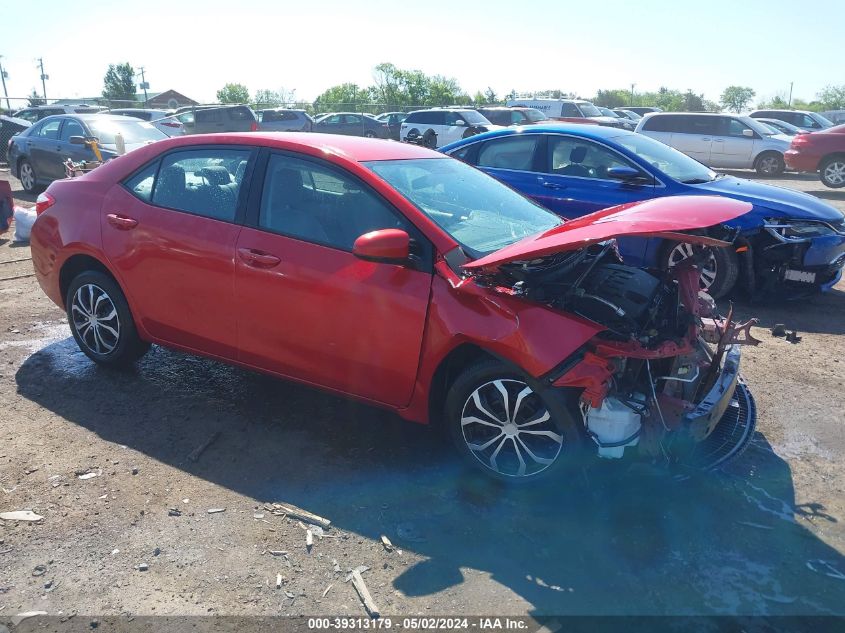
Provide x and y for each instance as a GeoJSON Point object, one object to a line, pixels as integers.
{"type": "Point", "coordinates": [139, 537]}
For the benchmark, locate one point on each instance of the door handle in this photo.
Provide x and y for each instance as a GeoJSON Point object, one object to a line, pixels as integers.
{"type": "Point", "coordinates": [706, 138]}
{"type": "Point", "coordinates": [259, 259]}
{"type": "Point", "coordinates": [552, 185]}
{"type": "Point", "coordinates": [121, 221]}
{"type": "Point", "coordinates": [718, 140]}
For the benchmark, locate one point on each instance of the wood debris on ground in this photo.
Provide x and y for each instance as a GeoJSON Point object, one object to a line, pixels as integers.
{"type": "Point", "coordinates": [199, 450]}
{"type": "Point", "coordinates": [364, 594]}
{"type": "Point", "coordinates": [297, 513]}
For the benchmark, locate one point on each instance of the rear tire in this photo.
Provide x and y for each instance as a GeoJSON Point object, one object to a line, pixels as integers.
{"type": "Point", "coordinates": [832, 172]}
{"type": "Point", "coordinates": [29, 180]}
{"type": "Point", "coordinates": [430, 139]}
{"type": "Point", "coordinates": [718, 278]}
{"type": "Point", "coordinates": [770, 164]}
{"type": "Point", "coordinates": [369, 134]}
{"type": "Point", "coordinates": [506, 430]}
{"type": "Point", "coordinates": [101, 322]}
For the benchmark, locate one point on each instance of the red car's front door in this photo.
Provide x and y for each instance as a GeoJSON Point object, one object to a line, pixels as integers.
{"type": "Point", "coordinates": [170, 234]}
{"type": "Point", "coordinates": [307, 307]}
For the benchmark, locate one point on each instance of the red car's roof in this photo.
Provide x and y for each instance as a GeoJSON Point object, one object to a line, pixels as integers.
{"type": "Point", "coordinates": [353, 148]}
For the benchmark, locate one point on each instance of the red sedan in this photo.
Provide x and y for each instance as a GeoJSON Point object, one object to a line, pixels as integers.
{"type": "Point", "coordinates": [822, 152]}
{"type": "Point", "coordinates": [398, 276]}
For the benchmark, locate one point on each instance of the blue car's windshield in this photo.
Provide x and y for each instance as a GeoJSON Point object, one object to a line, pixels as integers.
{"type": "Point", "coordinates": [479, 212]}
{"type": "Point", "coordinates": [667, 159]}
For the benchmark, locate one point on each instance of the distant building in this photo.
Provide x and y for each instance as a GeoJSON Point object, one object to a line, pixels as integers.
{"type": "Point", "coordinates": [169, 100]}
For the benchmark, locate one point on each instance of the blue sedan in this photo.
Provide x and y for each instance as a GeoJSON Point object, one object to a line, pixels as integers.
{"type": "Point", "coordinates": [789, 238]}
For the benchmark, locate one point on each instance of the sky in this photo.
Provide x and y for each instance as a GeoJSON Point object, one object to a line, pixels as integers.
{"type": "Point", "coordinates": [195, 47]}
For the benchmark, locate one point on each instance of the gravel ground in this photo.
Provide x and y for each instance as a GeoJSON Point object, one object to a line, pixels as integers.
{"type": "Point", "coordinates": [136, 536]}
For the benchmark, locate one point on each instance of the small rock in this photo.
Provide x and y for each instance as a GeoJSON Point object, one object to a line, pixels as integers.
{"type": "Point", "coordinates": [289, 595]}
{"type": "Point", "coordinates": [48, 585]}
{"type": "Point", "coordinates": [39, 570]}
{"type": "Point", "coordinates": [779, 329]}
{"type": "Point", "coordinates": [143, 567]}
{"type": "Point", "coordinates": [114, 552]}
{"type": "Point", "coordinates": [216, 510]}
{"type": "Point", "coordinates": [134, 470]}
{"type": "Point", "coordinates": [156, 551]}
{"type": "Point", "coordinates": [174, 512]}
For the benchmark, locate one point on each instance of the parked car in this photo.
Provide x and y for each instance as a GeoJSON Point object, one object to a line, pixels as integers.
{"type": "Point", "coordinates": [789, 239]}
{"type": "Point", "coordinates": [782, 127]}
{"type": "Point", "coordinates": [628, 114]}
{"type": "Point", "coordinates": [643, 110]}
{"type": "Point", "coordinates": [800, 118]}
{"type": "Point", "coordinates": [572, 110]}
{"type": "Point", "coordinates": [836, 117]}
{"type": "Point", "coordinates": [37, 155]}
{"type": "Point", "coordinates": [160, 118]}
{"type": "Point", "coordinates": [625, 122]}
{"type": "Point", "coordinates": [9, 126]}
{"type": "Point", "coordinates": [719, 140]}
{"type": "Point", "coordinates": [352, 124]}
{"type": "Point", "coordinates": [499, 115]}
{"type": "Point", "coordinates": [394, 122]}
{"type": "Point", "coordinates": [402, 278]}
{"type": "Point", "coordinates": [284, 120]}
{"type": "Point", "coordinates": [440, 126]}
{"type": "Point", "coordinates": [36, 113]}
{"type": "Point", "coordinates": [822, 152]}
{"type": "Point", "coordinates": [212, 119]}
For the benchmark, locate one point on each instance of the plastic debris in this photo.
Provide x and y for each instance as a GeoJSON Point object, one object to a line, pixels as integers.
{"type": "Point", "coordinates": [20, 515]}
{"type": "Point", "coordinates": [24, 219]}
{"type": "Point", "coordinates": [779, 329]}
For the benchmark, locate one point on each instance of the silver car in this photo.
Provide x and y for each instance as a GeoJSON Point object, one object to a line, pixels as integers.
{"type": "Point", "coordinates": [723, 141]}
{"type": "Point", "coordinates": [159, 118]}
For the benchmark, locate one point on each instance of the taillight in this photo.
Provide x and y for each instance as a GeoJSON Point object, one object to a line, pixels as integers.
{"type": "Point", "coordinates": [800, 139]}
{"type": "Point", "coordinates": [253, 127]}
{"type": "Point", "coordinates": [43, 202]}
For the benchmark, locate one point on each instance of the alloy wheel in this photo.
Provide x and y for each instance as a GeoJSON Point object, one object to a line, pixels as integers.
{"type": "Point", "coordinates": [95, 319]}
{"type": "Point", "coordinates": [27, 177]}
{"type": "Point", "coordinates": [509, 430]}
{"type": "Point", "coordinates": [769, 165]}
{"type": "Point", "coordinates": [834, 173]}
{"type": "Point", "coordinates": [709, 271]}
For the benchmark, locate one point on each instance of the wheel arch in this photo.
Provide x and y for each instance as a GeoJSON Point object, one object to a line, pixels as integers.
{"type": "Point", "coordinates": [450, 366]}
{"type": "Point", "coordinates": [79, 263]}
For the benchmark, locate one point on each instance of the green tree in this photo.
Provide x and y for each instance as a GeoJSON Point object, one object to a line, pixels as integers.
{"type": "Point", "coordinates": [832, 97]}
{"type": "Point", "coordinates": [490, 96]}
{"type": "Point", "coordinates": [737, 98]}
{"type": "Point", "coordinates": [35, 100]}
{"type": "Point", "coordinates": [692, 102]}
{"type": "Point", "coordinates": [615, 98]}
{"type": "Point", "coordinates": [119, 83]}
{"type": "Point", "coordinates": [233, 93]}
{"type": "Point", "coordinates": [778, 102]}
{"type": "Point", "coordinates": [268, 98]}
{"type": "Point", "coordinates": [346, 96]}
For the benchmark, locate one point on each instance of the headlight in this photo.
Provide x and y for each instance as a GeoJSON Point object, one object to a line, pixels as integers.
{"type": "Point", "coordinates": [799, 229]}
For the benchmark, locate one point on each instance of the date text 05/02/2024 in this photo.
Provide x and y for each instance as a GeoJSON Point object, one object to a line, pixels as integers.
{"type": "Point", "coordinates": [420, 623]}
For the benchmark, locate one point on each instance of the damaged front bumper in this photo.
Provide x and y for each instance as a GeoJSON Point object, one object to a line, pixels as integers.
{"type": "Point", "coordinates": [803, 263]}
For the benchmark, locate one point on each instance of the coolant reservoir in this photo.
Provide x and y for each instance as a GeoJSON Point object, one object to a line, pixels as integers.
{"type": "Point", "coordinates": [613, 426]}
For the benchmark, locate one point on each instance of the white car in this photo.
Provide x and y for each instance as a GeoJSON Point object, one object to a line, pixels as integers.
{"type": "Point", "coordinates": [440, 126]}
{"type": "Point", "coordinates": [723, 141]}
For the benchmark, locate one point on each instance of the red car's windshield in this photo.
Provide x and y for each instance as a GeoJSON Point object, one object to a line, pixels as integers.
{"type": "Point", "coordinates": [477, 211]}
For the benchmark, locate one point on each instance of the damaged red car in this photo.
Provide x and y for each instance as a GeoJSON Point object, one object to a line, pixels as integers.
{"type": "Point", "coordinates": [397, 276]}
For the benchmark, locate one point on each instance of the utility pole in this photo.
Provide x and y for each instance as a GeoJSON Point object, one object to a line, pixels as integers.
{"type": "Point", "coordinates": [632, 93]}
{"type": "Point", "coordinates": [790, 94]}
{"type": "Point", "coordinates": [144, 85]}
{"type": "Point", "coordinates": [3, 76]}
{"type": "Point", "coordinates": [44, 78]}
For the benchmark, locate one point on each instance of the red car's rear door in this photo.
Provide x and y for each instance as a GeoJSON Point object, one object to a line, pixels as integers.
{"type": "Point", "coordinates": [170, 233]}
{"type": "Point", "coordinates": [307, 307]}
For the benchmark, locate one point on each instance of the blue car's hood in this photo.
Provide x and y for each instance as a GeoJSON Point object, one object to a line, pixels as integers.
{"type": "Point", "coordinates": [786, 203]}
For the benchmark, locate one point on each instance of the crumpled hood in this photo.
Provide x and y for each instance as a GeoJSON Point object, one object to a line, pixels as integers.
{"type": "Point", "coordinates": [787, 203]}
{"type": "Point", "coordinates": [659, 217]}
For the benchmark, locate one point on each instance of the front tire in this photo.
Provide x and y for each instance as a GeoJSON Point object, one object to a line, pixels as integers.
{"type": "Point", "coordinates": [832, 172]}
{"type": "Point", "coordinates": [101, 322]}
{"type": "Point", "coordinates": [27, 176]}
{"type": "Point", "coordinates": [505, 429]}
{"type": "Point", "coordinates": [769, 164]}
{"type": "Point", "coordinates": [718, 275]}
{"type": "Point", "coordinates": [369, 134]}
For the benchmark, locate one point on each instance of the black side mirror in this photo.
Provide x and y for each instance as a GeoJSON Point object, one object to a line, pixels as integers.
{"type": "Point", "coordinates": [627, 174]}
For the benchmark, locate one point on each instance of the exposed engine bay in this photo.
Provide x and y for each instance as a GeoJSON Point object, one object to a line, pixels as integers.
{"type": "Point", "coordinates": [664, 374]}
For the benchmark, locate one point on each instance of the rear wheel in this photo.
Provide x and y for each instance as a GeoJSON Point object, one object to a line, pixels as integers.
{"type": "Point", "coordinates": [27, 176]}
{"type": "Point", "coordinates": [769, 164]}
{"type": "Point", "coordinates": [101, 322]}
{"type": "Point", "coordinates": [718, 274]}
{"type": "Point", "coordinates": [370, 134]}
{"type": "Point", "coordinates": [832, 172]}
{"type": "Point", "coordinates": [430, 139]}
{"type": "Point", "coordinates": [505, 429]}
